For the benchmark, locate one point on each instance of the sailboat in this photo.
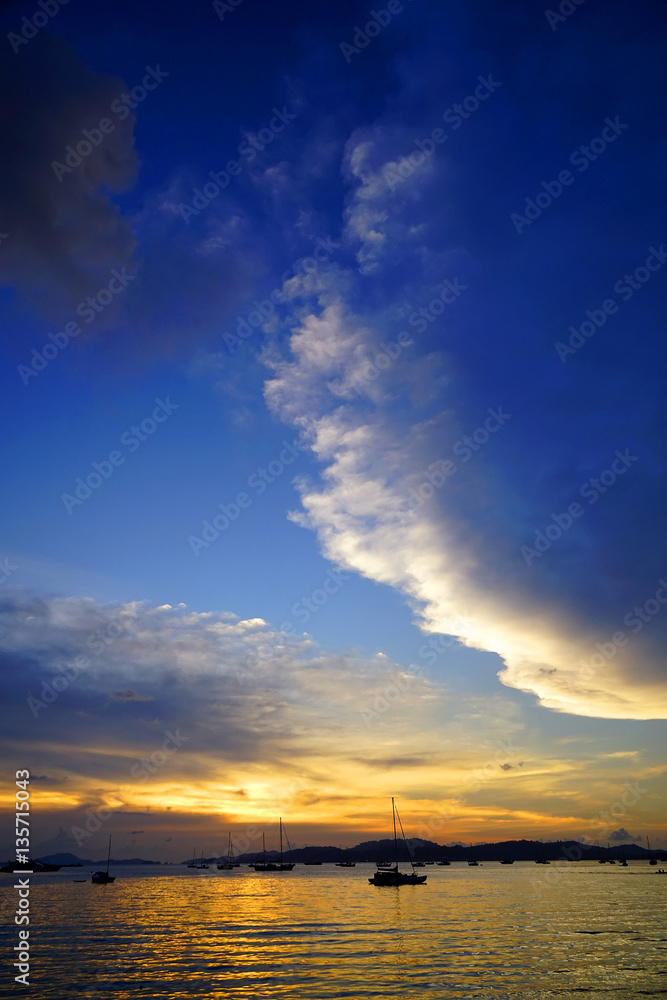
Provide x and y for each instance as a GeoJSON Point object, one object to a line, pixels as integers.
{"type": "Point", "coordinates": [272, 866]}
{"type": "Point", "coordinates": [103, 878]}
{"type": "Point", "coordinates": [346, 863]}
{"type": "Point", "coordinates": [392, 876]}
{"type": "Point", "coordinates": [611, 860]}
{"type": "Point", "coordinates": [472, 862]}
{"type": "Point", "coordinates": [229, 863]}
{"type": "Point", "coordinates": [623, 863]}
{"type": "Point", "coordinates": [651, 860]}
{"type": "Point", "coordinates": [193, 863]}
{"type": "Point", "coordinates": [201, 863]}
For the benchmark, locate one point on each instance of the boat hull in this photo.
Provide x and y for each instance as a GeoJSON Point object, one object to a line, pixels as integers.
{"type": "Point", "coordinates": [101, 878]}
{"type": "Point", "coordinates": [400, 880]}
{"type": "Point", "coordinates": [394, 877]}
{"type": "Point", "coordinates": [273, 868]}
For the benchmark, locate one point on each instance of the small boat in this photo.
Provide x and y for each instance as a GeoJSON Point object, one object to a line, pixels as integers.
{"type": "Point", "coordinates": [623, 862]}
{"type": "Point", "coordinates": [103, 878]}
{"type": "Point", "coordinates": [443, 863]}
{"type": "Point", "coordinates": [193, 863]}
{"type": "Point", "coordinates": [507, 861]}
{"type": "Point", "coordinates": [346, 863]}
{"type": "Point", "coordinates": [543, 859]}
{"type": "Point", "coordinates": [79, 880]}
{"type": "Point", "coordinates": [418, 864]}
{"type": "Point", "coordinates": [272, 866]}
{"type": "Point", "coordinates": [312, 862]}
{"type": "Point", "coordinates": [392, 876]}
{"type": "Point", "coordinates": [651, 859]}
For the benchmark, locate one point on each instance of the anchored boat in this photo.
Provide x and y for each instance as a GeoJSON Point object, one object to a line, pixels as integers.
{"type": "Point", "coordinates": [272, 866]}
{"type": "Point", "coordinates": [103, 878]}
{"type": "Point", "coordinates": [392, 876]}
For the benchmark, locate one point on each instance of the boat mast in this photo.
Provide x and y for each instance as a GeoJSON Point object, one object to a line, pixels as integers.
{"type": "Point", "coordinates": [109, 854]}
{"type": "Point", "coordinates": [407, 847]}
{"type": "Point", "coordinates": [263, 849]}
{"type": "Point", "coordinates": [281, 840]}
{"type": "Point", "coordinates": [393, 812]}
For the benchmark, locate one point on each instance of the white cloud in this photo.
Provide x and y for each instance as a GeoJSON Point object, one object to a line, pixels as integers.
{"type": "Point", "coordinates": [373, 456]}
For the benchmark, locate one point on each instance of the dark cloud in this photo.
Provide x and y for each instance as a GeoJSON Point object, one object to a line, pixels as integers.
{"type": "Point", "coordinates": [623, 835]}
{"type": "Point", "coordinates": [64, 236]}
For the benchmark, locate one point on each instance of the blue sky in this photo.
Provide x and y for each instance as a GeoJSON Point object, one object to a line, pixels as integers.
{"type": "Point", "coordinates": [395, 376]}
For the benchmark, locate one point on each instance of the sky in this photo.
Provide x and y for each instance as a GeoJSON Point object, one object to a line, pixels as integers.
{"type": "Point", "coordinates": [333, 372]}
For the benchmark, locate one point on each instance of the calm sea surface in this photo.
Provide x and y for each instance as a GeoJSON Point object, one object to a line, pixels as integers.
{"type": "Point", "coordinates": [569, 930]}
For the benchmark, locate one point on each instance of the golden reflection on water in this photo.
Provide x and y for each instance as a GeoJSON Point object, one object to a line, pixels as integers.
{"type": "Point", "coordinates": [572, 930]}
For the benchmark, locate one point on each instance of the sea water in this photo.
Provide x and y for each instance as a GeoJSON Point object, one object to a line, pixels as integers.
{"type": "Point", "coordinates": [567, 930]}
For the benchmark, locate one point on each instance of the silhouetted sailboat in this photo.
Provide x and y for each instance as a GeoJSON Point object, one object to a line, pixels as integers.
{"type": "Point", "coordinates": [103, 878]}
{"type": "Point", "coordinates": [346, 863]}
{"type": "Point", "coordinates": [472, 862]}
{"type": "Point", "coordinates": [651, 859]}
{"type": "Point", "coordinates": [392, 876]}
{"type": "Point", "coordinates": [271, 866]}
{"type": "Point", "coordinates": [229, 863]}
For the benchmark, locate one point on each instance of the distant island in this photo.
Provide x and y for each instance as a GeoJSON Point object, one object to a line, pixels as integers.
{"type": "Point", "coordinates": [425, 850]}
{"type": "Point", "coordinates": [66, 860]}
{"type": "Point", "coordinates": [420, 850]}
